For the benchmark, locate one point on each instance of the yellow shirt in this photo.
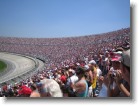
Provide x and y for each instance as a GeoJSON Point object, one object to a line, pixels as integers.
{"type": "Point", "coordinates": [95, 78]}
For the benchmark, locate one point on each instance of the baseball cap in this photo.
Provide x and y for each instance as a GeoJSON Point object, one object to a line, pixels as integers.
{"type": "Point", "coordinates": [116, 56]}
{"type": "Point", "coordinates": [86, 67]}
{"type": "Point", "coordinates": [92, 62]}
{"type": "Point", "coordinates": [72, 71]}
{"type": "Point", "coordinates": [78, 64]}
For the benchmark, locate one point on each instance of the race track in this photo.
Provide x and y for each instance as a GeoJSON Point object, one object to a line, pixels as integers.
{"type": "Point", "coordinates": [17, 65]}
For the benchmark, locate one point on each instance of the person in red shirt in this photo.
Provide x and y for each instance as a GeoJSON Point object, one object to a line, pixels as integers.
{"type": "Point", "coordinates": [24, 91]}
{"type": "Point", "coordinates": [63, 78]}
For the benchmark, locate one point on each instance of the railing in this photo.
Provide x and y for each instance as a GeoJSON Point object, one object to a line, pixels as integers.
{"type": "Point", "coordinates": [24, 74]}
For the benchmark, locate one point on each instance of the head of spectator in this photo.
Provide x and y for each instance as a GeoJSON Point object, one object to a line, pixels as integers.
{"type": "Point", "coordinates": [86, 68]}
{"type": "Point", "coordinates": [77, 64]}
{"type": "Point", "coordinates": [92, 63]}
{"type": "Point", "coordinates": [34, 92]}
{"type": "Point", "coordinates": [115, 59]}
{"type": "Point", "coordinates": [80, 72]}
{"type": "Point", "coordinates": [120, 49]}
{"type": "Point", "coordinates": [49, 88]}
{"type": "Point", "coordinates": [25, 91]}
{"type": "Point", "coordinates": [71, 72]}
{"type": "Point", "coordinates": [41, 77]}
{"type": "Point", "coordinates": [72, 66]}
{"type": "Point", "coordinates": [125, 65]}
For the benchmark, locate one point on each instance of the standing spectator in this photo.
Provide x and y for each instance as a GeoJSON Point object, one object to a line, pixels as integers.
{"type": "Point", "coordinates": [81, 87]}
{"type": "Point", "coordinates": [71, 81]}
{"type": "Point", "coordinates": [103, 89]}
{"type": "Point", "coordinates": [124, 72]}
{"type": "Point", "coordinates": [89, 79]}
{"type": "Point", "coordinates": [92, 65]}
{"type": "Point", "coordinates": [120, 76]}
{"type": "Point", "coordinates": [99, 72]}
{"type": "Point", "coordinates": [63, 78]}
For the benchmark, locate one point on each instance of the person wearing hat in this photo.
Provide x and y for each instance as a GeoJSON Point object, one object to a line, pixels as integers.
{"type": "Point", "coordinates": [49, 88]}
{"type": "Point", "coordinates": [72, 79]}
{"type": "Point", "coordinates": [92, 65]}
{"type": "Point", "coordinates": [121, 65]}
{"type": "Point", "coordinates": [124, 73]}
{"type": "Point", "coordinates": [89, 79]}
{"type": "Point", "coordinates": [125, 65]}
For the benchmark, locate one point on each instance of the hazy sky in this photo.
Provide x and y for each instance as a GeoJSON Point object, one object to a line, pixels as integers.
{"type": "Point", "coordinates": [62, 18]}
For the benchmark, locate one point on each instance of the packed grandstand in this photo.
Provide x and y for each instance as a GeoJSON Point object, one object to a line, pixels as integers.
{"type": "Point", "coordinates": [63, 57]}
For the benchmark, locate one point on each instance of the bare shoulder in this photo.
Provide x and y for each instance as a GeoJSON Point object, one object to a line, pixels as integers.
{"type": "Point", "coordinates": [80, 83]}
{"type": "Point", "coordinates": [35, 94]}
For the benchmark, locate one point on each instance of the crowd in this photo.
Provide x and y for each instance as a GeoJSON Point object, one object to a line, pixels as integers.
{"type": "Point", "coordinates": [89, 66]}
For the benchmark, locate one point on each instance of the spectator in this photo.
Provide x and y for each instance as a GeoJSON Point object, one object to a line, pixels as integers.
{"type": "Point", "coordinates": [92, 65]}
{"type": "Point", "coordinates": [124, 72]}
{"type": "Point", "coordinates": [120, 76]}
{"type": "Point", "coordinates": [64, 52]}
{"type": "Point", "coordinates": [35, 92]}
{"type": "Point", "coordinates": [81, 87]}
{"type": "Point", "coordinates": [89, 79]}
{"type": "Point", "coordinates": [24, 91]}
{"type": "Point", "coordinates": [71, 81]}
{"type": "Point", "coordinates": [103, 87]}
{"type": "Point", "coordinates": [50, 88]}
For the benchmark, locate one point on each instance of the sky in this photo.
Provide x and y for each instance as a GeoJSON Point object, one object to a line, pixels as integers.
{"type": "Point", "coordinates": [62, 18]}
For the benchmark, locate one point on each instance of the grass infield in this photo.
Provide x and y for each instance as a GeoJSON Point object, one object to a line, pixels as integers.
{"type": "Point", "coordinates": [2, 66]}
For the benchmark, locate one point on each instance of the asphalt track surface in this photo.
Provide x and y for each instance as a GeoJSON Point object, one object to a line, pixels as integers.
{"type": "Point", "coordinates": [17, 65]}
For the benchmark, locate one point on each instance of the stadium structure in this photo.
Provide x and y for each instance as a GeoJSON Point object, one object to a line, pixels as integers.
{"type": "Point", "coordinates": [26, 56]}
